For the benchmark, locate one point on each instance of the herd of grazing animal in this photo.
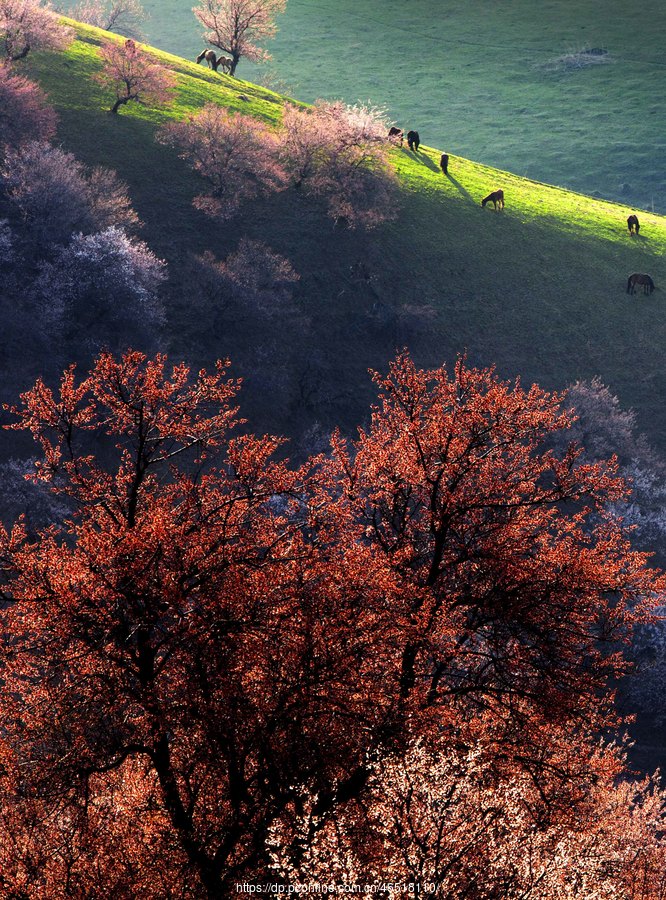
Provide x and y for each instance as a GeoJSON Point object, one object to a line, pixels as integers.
{"type": "Point", "coordinates": [216, 62]}
{"type": "Point", "coordinates": [396, 135]}
{"type": "Point", "coordinates": [637, 279]}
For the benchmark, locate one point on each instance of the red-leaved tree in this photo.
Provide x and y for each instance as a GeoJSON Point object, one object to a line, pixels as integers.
{"type": "Point", "coordinates": [239, 26]}
{"type": "Point", "coordinates": [134, 76]}
{"type": "Point", "coordinates": [222, 669]}
{"type": "Point", "coordinates": [236, 154]}
{"type": "Point", "coordinates": [24, 111]}
{"type": "Point", "coordinates": [27, 25]}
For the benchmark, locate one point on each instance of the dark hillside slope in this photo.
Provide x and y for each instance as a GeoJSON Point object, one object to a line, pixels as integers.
{"type": "Point", "coordinates": [538, 289]}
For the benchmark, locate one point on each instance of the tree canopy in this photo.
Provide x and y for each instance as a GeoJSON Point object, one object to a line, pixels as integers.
{"type": "Point", "coordinates": [239, 27]}
{"type": "Point", "coordinates": [222, 668]}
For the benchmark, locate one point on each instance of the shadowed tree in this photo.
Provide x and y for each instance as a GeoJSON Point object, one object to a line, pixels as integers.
{"type": "Point", "coordinates": [258, 278]}
{"type": "Point", "coordinates": [134, 76]}
{"type": "Point", "coordinates": [235, 153]}
{"type": "Point", "coordinates": [238, 27]}
{"type": "Point", "coordinates": [102, 290]}
{"type": "Point", "coordinates": [27, 25]}
{"type": "Point", "coordinates": [253, 663]}
{"type": "Point", "coordinates": [24, 111]}
{"type": "Point", "coordinates": [55, 195]}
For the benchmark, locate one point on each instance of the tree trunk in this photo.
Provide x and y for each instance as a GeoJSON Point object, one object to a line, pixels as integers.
{"type": "Point", "coordinates": [121, 101]}
{"type": "Point", "coordinates": [21, 55]}
{"type": "Point", "coordinates": [206, 868]}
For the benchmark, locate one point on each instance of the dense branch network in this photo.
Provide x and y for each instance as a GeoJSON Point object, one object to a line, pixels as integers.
{"type": "Point", "coordinates": [260, 669]}
{"type": "Point", "coordinates": [239, 27]}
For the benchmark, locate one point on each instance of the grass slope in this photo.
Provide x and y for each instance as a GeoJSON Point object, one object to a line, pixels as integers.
{"type": "Point", "coordinates": [497, 82]}
{"type": "Point", "coordinates": [538, 289]}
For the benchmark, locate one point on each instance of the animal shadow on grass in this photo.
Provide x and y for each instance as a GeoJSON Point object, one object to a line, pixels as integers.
{"type": "Point", "coordinates": [425, 160]}
{"type": "Point", "coordinates": [460, 188]}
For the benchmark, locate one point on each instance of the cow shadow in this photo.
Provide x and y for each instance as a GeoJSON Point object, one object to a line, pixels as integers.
{"type": "Point", "coordinates": [459, 187]}
{"type": "Point", "coordinates": [425, 160]}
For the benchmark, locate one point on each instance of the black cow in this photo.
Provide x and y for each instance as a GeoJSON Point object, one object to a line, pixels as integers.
{"type": "Point", "coordinates": [413, 140]}
{"type": "Point", "coordinates": [395, 134]}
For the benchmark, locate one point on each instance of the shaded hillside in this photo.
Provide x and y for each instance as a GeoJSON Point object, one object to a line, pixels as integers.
{"type": "Point", "coordinates": [538, 289]}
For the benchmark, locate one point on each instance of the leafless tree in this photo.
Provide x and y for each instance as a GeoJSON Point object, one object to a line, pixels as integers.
{"type": "Point", "coordinates": [123, 16]}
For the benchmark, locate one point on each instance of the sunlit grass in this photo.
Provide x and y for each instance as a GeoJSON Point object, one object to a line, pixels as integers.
{"type": "Point", "coordinates": [538, 289]}
{"type": "Point", "coordinates": [198, 85]}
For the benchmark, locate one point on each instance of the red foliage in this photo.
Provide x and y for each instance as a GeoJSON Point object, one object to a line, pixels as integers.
{"type": "Point", "coordinates": [271, 667]}
{"type": "Point", "coordinates": [502, 591]}
{"type": "Point", "coordinates": [133, 75]}
{"type": "Point", "coordinates": [24, 111]}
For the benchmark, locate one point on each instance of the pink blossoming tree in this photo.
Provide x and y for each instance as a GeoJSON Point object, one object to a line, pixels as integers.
{"type": "Point", "coordinates": [236, 154]}
{"type": "Point", "coordinates": [24, 111]}
{"type": "Point", "coordinates": [238, 27]}
{"type": "Point", "coordinates": [27, 25]}
{"type": "Point", "coordinates": [339, 152]}
{"type": "Point", "coordinates": [134, 76]}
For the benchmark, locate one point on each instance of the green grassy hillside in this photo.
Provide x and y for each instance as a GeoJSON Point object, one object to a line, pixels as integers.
{"type": "Point", "coordinates": [505, 83]}
{"type": "Point", "coordinates": [538, 289]}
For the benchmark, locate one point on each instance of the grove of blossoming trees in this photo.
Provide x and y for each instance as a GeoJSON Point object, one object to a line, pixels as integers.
{"type": "Point", "coordinates": [392, 663]}
{"type": "Point", "coordinates": [73, 277]}
{"type": "Point", "coordinates": [331, 150]}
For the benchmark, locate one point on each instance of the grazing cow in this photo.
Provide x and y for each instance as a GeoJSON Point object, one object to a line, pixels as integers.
{"type": "Point", "coordinates": [640, 279]}
{"type": "Point", "coordinates": [444, 163]}
{"type": "Point", "coordinates": [496, 198]}
{"type": "Point", "coordinates": [413, 140]}
{"type": "Point", "coordinates": [395, 134]}
{"type": "Point", "coordinates": [633, 224]}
